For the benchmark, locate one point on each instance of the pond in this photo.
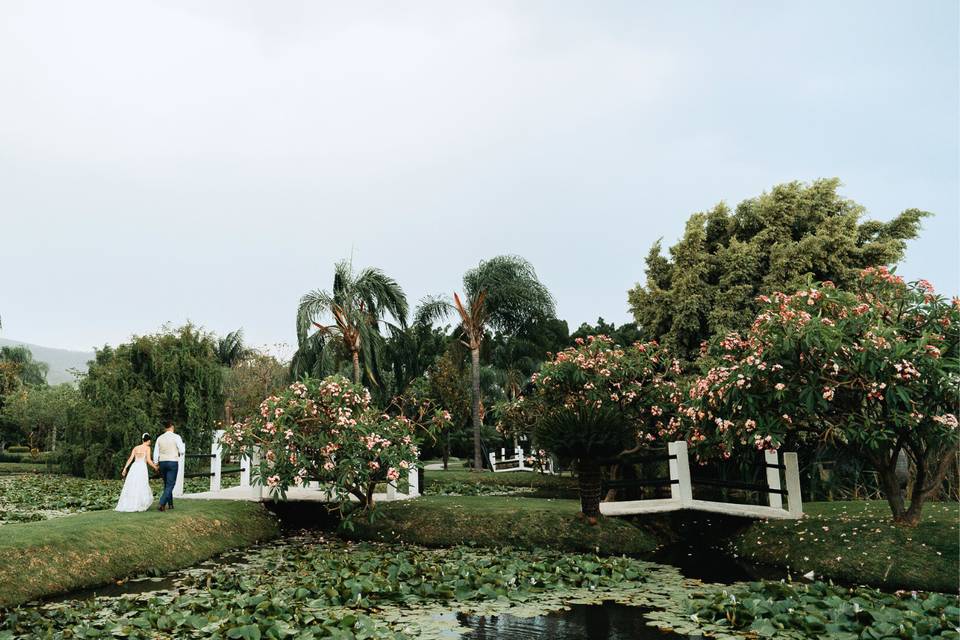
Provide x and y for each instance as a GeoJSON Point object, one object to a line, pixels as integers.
{"type": "Point", "coordinates": [605, 621]}
{"type": "Point", "coordinates": [313, 586]}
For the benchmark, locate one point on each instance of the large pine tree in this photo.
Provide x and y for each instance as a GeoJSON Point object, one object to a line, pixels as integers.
{"type": "Point", "coordinates": [774, 242]}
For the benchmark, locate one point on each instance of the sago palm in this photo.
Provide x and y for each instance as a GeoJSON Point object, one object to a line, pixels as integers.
{"type": "Point", "coordinates": [503, 294]}
{"type": "Point", "coordinates": [359, 303]}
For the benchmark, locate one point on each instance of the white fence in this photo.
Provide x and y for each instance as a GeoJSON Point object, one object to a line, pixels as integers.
{"type": "Point", "coordinates": [517, 462]}
{"type": "Point", "coordinates": [681, 490]}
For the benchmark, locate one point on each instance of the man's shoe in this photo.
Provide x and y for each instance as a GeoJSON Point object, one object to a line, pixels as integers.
{"type": "Point", "coordinates": [162, 508]}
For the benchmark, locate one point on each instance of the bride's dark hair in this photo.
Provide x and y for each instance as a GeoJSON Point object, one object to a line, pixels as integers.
{"type": "Point", "coordinates": [146, 437]}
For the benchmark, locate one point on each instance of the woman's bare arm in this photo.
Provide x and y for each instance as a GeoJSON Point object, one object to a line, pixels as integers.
{"type": "Point", "coordinates": [150, 460]}
{"type": "Point", "coordinates": [123, 474]}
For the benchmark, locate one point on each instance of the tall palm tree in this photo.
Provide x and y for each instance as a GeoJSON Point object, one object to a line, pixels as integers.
{"type": "Point", "coordinates": [359, 303]}
{"type": "Point", "coordinates": [503, 294]}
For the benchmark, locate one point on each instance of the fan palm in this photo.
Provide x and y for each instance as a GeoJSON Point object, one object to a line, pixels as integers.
{"type": "Point", "coordinates": [503, 294]}
{"type": "Point", "coordinates": [359, 303]}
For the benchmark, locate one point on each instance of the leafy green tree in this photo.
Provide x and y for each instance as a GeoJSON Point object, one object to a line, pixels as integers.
{"type": "Point", "coordinates": [41, 413]}
{"type": "Point", "coordinates": [502, 293]}
{"type": "Point", "coordinates": [624, 335]}
{"type": "Point", "coordinates": [410, 352]}
{"type": "Point", "coordinates": [29, 371]}
{"type": "Point", "coordinates": [775, 242]}
{"type": "Point", "coordinates": [873, 370]}
{"type": "Point", "coordinates": [134, 387]}
{"type": "Point", "coordinates": [250, 380]}
{"type": "Point", "coordinates": [358, 304]}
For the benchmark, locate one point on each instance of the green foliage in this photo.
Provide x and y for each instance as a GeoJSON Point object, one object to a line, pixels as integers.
{"type": "Point", "coordinates": [348, 592]}
{"type": "Point", "coordinates": [251, 379]}
{"type": "Point", "coordinates": [503, 294]}
{"type": "Point", "coordinates": [775, 242]}
{"type": "Point", "coordinates": [41, 413]}
{"type": "Point", "coordinates": [819, 610]}
{"type": "Point", "coordinates": [327, 430]}
{"type": "Point", "coordinates": [358, 304]}
{"type": "Point", "coordinates": [624, 335]}
{"type": "Point", "coordinates": [230, 349]}
{"type": "Point", "coordinates": [28, 370]}
{"type": "Point", "coordinates": [596, 399]}
{"type": "Point", "coordinates": [873, 370]}
{"type": "Point", "coordinates": [133, 388]}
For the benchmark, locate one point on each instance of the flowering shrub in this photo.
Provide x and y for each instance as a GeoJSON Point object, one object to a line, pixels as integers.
{"type": "Point", "coordinates": [326, 430]}
{"type": "Point", "coordinates": [597, 400]}
{"type": "Point", "coordinates": [873, 370]}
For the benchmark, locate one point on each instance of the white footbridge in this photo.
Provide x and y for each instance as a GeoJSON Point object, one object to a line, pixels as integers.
{"type": "Point", "coordinates": [255, 492]}
{"type": "Point", "coordinates": [681, 489]}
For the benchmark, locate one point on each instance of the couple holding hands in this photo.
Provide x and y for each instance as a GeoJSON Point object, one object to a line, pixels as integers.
{"type": "Point", "coordinates": [168, 451]}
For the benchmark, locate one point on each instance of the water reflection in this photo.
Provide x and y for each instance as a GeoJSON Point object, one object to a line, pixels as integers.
{"type": "Point", "coordinates": [607, 621]}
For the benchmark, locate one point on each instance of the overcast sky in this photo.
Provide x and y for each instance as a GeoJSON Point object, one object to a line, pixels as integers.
{"type": "Point", "coordinates": [211, 160]}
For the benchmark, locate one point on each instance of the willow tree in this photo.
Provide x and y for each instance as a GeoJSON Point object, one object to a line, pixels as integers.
{"type": "Point", "coordinates": [778, 241]}
{"type": "Point", "coordinates": [502, 294]}
{"type": "Point", "coordinates": [358, 304]}
{"type": "Point", "coordinates": [134, 387]}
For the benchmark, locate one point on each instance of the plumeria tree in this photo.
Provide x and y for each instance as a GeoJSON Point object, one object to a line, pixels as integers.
{"type": "Point", "coordinates": [326, 430]}
{"type": "Point", "coordinates": [873, 370]}
{"type": "Point", "coordinates": [598, 400]}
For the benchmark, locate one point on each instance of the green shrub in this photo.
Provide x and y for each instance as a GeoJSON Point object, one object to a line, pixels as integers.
{"type": "Point", "coordinates": [18, 449]}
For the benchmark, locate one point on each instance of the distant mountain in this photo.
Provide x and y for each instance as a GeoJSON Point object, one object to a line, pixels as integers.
{"type": "Point", "coordinates": [59, 360]}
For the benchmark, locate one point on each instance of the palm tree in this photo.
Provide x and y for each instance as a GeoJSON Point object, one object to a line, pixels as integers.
{"type": "Point", "coordinates": [230, 349]}
{"type": "Point", "coordinates": [502, 293]}
{"type": "Point", "coordinates": [358, 304]}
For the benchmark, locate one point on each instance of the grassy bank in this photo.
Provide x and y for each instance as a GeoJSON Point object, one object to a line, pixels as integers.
{"type": "Point", "coordinates": [464, 482]}
{"type": "Point", "coordinates": [527, 523]}
{"type": "Point", "coordinates": [856, 543]}
{"type": "Point", "coordinates": [90, 549]}
{"type": "Point", "coordinates": [26, 467]}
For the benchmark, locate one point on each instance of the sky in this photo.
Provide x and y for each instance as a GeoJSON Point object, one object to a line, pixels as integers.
{"type": "Point", "coordinates": [211, 161]}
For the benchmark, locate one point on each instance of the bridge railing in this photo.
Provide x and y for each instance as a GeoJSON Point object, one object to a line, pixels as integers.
{"type": "Point", "coordinates": [681, 487]}
{"type": "Point", "coordinates": [517, 461]}
{"type": "Point", "coordinates": [217, 470]}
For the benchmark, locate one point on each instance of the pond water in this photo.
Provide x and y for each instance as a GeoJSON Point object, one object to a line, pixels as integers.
{"type": "Point", "coordinates": [606, 621]}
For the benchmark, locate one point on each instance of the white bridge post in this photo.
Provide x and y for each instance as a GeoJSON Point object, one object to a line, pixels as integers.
{"type": "Point", "coordinates": [245, 464]}
{"type": "Point", "coordinates": [680, 490]}
{"type": "Point", "coordinates": [792, 472]}
{"type": "Point", "coordinates": [772, 461]}
{"type": "Point", "coordinates": [413, 482]}
{"type": "Point", "coordinates": [216, 460]}
{"type": "Point", "coordinates": [178, 485]}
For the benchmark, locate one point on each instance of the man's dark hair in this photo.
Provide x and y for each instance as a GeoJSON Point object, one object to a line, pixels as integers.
{"type": "Point", "coordinates": [169, 424]}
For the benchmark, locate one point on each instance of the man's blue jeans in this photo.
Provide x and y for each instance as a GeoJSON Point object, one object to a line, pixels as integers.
{"type": "Point", "coordinates": [168, 471]}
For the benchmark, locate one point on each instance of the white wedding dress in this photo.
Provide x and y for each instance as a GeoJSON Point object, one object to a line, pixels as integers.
{"type": "Point", "coordinates": [136, 494]}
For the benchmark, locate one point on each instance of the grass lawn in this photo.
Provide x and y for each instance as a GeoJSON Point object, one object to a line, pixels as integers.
{"type": "Point", "coordinates": [25, 467]}
{"type": "Point", "coordinates": [441, 521]}
{"type": "Point", "coordinates": [462, 480]}
{"type": "Point", "coordinates": [856, 542]}
{"type": "Point", "coordinates": [90, 549]}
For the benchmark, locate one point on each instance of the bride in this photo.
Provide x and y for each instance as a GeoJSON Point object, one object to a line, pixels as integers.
{"type": "Point", "coordinates": [136, 494]}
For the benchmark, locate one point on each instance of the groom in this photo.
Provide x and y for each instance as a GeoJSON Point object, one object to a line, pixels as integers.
{"type": "Point", "coordinates": [167, 452]}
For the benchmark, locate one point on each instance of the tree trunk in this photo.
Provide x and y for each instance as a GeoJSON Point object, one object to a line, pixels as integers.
{"type": "Point", "coordinates": [356, 367]}
{"type": "Point", "coordinates": [588, 475]}
{"type": "Point", "coordinates": [891, 489]}
{"type": "Point", "coordinates": [477, 423]}
{"type": "Point", "coordinates": [446, 449]}
{"type": "Point", "coordinates": [53, 439]}
{"type": "Point", "coordinates": [228, 413]}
